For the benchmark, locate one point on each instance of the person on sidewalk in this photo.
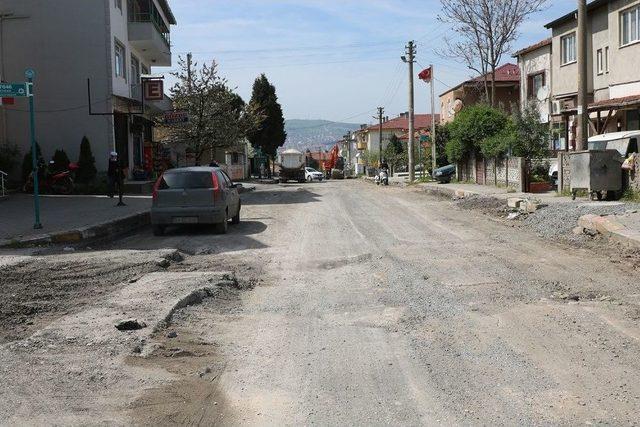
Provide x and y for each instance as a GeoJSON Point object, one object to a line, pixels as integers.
{"type": "Point", "coordinates": [114, 175]}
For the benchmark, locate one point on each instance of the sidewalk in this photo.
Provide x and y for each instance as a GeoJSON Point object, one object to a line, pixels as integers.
{"type": "Point", "coordinates": [465, 190]}
{"type": "Point", "coordinates": [68, 218]}
{"type": "Point", "coordinates": [619, 220]}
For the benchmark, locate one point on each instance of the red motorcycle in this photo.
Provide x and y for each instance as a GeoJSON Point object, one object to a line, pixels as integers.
{"type": "Point", "coordinates": [60, 182]}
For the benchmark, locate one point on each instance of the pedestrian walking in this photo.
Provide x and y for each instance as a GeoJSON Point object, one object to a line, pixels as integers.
{"type": "Point", "coordinates": [115, 176]}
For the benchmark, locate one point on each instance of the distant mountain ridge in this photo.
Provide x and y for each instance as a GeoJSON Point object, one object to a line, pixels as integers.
{"type": "Point", "coordinates": [311, 134]}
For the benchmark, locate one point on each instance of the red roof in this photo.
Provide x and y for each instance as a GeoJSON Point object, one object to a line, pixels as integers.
{"type": "Point", "coordinates": [507, 73]}
{"type": "Point", "coordinates": [504, 73]}
{"type": "Point", "coordinates": [543, 43]}
{"type": "Point", "coordinates": [420, 121]}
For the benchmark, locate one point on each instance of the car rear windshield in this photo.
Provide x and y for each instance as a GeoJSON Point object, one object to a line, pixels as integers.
{"type": "Point", "coordinates": [186, 180]}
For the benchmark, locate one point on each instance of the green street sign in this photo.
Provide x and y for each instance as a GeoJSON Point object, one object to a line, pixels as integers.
{"type": "Point", "coordinates": [13, 90]}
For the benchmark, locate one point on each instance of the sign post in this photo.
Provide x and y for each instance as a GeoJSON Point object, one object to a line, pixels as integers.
{"type": "Point", "coordinates": [29, 74]}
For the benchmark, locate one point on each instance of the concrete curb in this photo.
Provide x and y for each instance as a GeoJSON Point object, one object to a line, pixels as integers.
{"type": "Point", "coordinates": [437, 189]}
{"type": "Point", "coordinates": [610, 228]}
{"type": "Point", "coordinates": [100, 230]}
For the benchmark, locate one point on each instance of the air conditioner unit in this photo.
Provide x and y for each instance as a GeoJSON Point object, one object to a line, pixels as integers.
{"type": "Point", "coordinates": [556, 107]}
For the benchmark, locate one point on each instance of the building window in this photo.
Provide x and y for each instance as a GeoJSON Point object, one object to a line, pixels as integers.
{"type": "Point", "coordinates": [606, 59]}
{"type": "Point", "coordinates": [535, 83]}
{"type": "Point", "coordinates": [630, 26]}
{"type": "Point", "coordinates": [120, 60]}
{"type": "Point", "coordinates": [568, 48]}
{"type": "Point", "coordinates": [600, 61]}
{"type": "Point", "coordinates": [135, 70]}
{"type": "Point", "coordinates": [118, 4]}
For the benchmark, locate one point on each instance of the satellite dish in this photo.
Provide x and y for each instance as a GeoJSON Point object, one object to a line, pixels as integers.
{"type": "Point", "coordinates": [543, 93]}
{"type": "Point", "coordinates": [457, 105]}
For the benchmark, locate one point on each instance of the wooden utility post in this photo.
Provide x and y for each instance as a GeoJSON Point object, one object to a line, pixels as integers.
{"type": "Point", "coordinates": [582, 130]}
{"type": "Point", "coordinates": [379, 117]}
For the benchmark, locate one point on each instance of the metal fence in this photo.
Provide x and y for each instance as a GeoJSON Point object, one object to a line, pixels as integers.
{"type": "Point", "coordinates": [3, 177]}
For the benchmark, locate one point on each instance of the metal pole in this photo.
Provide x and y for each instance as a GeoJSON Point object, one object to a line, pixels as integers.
{"type": "Point", "coordinates": [434, 164]}
{"type": "Point", "coordinates": [380, 113]}
{"type": "Point", "coordinates": [410, 60]}
{"type": "Point", "coordinates": [582, 130]}
{"type": "Point", "coordinates": [34, 157]}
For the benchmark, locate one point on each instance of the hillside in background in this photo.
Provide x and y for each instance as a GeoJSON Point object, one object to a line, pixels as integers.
{"type": "Point", "coordinates": [303, 134]}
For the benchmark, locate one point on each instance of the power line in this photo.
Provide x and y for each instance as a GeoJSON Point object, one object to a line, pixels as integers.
{"type": "Point", "coordinates": [61, 110]}
{"type": "Point", "coordinates": [295, 48]}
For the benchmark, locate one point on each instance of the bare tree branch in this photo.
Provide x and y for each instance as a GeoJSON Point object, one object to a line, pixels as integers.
{"type": "Point", "coordinates": [485, 30]}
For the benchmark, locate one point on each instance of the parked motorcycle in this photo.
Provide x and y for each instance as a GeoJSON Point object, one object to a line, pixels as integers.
{"type": "Point", "coordinates": [56, 182]}
{"type": "Point", "coordinates": [382, 177]}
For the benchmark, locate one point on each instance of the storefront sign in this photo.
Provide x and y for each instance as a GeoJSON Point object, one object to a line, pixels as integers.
{"type": "Point", "coordinates": [153, 90]}
{"type": "Point", "coordinates": [176, 117]}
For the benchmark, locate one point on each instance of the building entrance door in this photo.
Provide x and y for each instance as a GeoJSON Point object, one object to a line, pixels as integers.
{"type": "Point", "coordinates": [121, 134]}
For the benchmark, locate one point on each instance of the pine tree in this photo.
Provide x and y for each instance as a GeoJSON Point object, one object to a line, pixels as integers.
{"type": "Point", "coordinates": [270, 133]}
{"type": "Point", "coordinates": [60, 160]}
{"type": "Point", "coordinates": [27, 165]}
{"type": "Point", "coordinates": [86, 163]}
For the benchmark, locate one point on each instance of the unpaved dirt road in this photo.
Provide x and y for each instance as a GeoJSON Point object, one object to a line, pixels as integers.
{"type": "Point", "coordinates": [354, 305]}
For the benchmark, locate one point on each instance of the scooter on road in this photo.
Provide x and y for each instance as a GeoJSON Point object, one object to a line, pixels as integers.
{"type": "Point", "coordinates": [382, 177]}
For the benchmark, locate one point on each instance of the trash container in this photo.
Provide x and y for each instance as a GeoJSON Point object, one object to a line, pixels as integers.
{"type": "Point", "coordinates": [596, 171]}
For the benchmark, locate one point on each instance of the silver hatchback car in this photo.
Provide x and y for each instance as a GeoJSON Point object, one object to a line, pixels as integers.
{"type": "Point", "coordinates": [194, 195]}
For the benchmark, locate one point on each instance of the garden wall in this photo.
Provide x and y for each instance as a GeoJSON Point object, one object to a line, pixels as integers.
{"type": "Point", "coordinates": [507, 172]}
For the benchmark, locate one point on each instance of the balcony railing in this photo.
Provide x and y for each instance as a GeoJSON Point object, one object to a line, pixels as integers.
{"type": "Point", "coordinates": [157, 22]}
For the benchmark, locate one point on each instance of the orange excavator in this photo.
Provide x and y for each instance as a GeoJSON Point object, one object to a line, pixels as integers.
{"type": "Point", "coordinates": [334, 165]}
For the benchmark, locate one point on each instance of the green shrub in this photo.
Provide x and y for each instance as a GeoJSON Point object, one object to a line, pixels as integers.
{"type": "Point", "coordinates": [497, 146]}
{"type": "Point", "coordinates": [442, 137]}
{"type": "Point", "coordinates": [455, 151]}
{"type": "Point", "coordinates": [27, 165]}
{"type": "Point", "coordinates": [9, 154]}
{"type": "Point", "coordinates": [532, 136]}
{"type": "Point", "coordinates": [60, 160]}
{"type": "Point", "coordinates": [470, 128]}
{"type": "Point", "coordinates": [86, 163]}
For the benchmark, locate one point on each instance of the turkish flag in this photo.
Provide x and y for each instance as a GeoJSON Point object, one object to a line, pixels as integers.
{"type": "Point", "coordinates": [425, 74]}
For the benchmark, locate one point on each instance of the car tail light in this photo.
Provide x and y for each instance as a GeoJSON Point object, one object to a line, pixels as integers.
{"type": "Point", "coordinates": [156, 186]}
{"type": "Point", "coordinates": [216, 187]}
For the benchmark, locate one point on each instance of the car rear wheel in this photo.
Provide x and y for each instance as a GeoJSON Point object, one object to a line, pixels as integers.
{"type": "Point", "coordinates": [222, 227]}
{"type": "Point", "coordinates": [236, 217]}
{"type": "Point", "coordinates": [158, 230]}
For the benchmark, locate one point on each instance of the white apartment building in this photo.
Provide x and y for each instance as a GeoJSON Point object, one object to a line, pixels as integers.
{"type": "Point", "coordinates": [613, 80]}
{"type": "Point", "coordinates": [535, 82]}
{"type": "Point", "coordinates": [109, 43]}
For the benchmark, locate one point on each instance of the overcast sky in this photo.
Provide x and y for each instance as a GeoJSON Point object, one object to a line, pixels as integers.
{"type": "Point", "coordinates": [328, 60]}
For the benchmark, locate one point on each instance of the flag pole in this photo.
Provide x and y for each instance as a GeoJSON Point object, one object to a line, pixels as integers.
{"type": "Point", "coordinates": [433, 124]}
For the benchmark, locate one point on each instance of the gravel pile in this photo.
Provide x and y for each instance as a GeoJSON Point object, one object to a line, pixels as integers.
{"type": "Point", "coordinates": [488, 205]}
{"type": "Point", "coordinates": [558, 220]}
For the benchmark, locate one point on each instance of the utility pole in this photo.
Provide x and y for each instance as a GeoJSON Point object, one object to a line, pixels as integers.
{"type": "Point", "coordinates": [347, 138]}
{"type": "Point", "coordinates": [582, 129]}
{"type": "Point", "coordinates": [433, 123]}
{"type": "Point", "coordinates": [379, 117]}
{"type": "Point", "coordinates": [189, 56]}
{"type": "Point", "coordinates": [410, 59]}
